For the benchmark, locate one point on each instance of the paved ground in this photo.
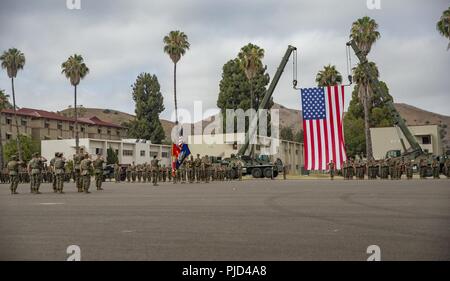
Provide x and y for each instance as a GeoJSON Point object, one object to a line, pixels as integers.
{"type": "Point", "coordinates": [248, 220]}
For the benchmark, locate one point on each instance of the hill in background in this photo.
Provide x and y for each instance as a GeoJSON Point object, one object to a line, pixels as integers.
{"type": "Point", "coordinates": [288, 117]}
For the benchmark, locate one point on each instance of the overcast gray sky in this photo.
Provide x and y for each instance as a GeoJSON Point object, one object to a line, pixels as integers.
{"type": "Point", "coordinates": [120, 39]}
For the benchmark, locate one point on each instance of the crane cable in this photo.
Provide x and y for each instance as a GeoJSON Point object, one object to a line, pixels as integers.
{"type": "Point", "coordinates": [349, 64]}
{"type": "Point", "coordinates": [294, 69]}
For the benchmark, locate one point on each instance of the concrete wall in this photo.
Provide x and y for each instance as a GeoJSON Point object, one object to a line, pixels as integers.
{"type": "Point", "coordinates": [385, 139]}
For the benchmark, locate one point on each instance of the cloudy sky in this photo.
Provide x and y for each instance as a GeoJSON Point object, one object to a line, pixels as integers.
{"type": "Point", "coordinates": [120, 39]}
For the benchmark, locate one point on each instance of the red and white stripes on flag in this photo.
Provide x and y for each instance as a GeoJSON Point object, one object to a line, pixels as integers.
{"type": "Point", "coordinates": [323, 132]}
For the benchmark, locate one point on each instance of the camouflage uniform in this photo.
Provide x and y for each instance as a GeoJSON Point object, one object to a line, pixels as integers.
{"type": "Point", "coordinates": [59, 172]}
{"type": "Point", "coordinates": [239, 170]}
{"type": "Point", "coordinates": [35, 167]}
{"type": "Point", "coordinates": [13, 169]}
{"type": "Point", "coordinates": [331, 168]}
{"type": "Point", "coordinates": [77, 171]}
{"type": "Point", "coordinates": [117, 172]}
{"type": "Point", "coordinates": [86, 165]}
{"type": "Point", "coordinates": [197, 168]}
{"type": "Point", "coordinates": [128, 173]}
{"type": "Point", "coordinates": [435, 166]}
{"type": "Point", "coordinates": [98, 171]}
{"type": "Point", "coordinates": [133, 172]}
{"type": "Point", "coordinates": [52, 170]}
{"type": "Point", "coordinates": [408, 170]}
{"type": "Point", "coordinates": [155, 170]}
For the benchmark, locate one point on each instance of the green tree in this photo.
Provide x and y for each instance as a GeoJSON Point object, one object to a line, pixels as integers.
{"type": "Point", "coordinates": [364, 32]}
{"type": "Point", "coordinates": [443, 25]}
{"type": "Point", "coordinates": [111, 156]}
{"type": "Point", "coordinates": [328, 76]}
{"type": "Point", "coordinates": [234, 88]}
{"type": "Point", "coordinates": [287, 134]}
{"type": "Point", "coordinates": [4, 104]}
{"type": "Point", "coordinates": [13, 60]}
{"type": "Point", "coordinates": [176, 45]}
{"type": "Point", "coordinates": [75, 69]}
{"type": "Point", "coordinates": [149, 104]}
{"type": "Point", "coordinates": [298, 137]}
{"type": "Point", "coordinates": [354, 128]}
{"type": "Point", "coordinates": [28, 146]}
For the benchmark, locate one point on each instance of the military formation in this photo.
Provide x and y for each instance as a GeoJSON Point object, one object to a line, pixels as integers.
{"type": "Point", "coordinates": [57, 172]}
{"type": "Point", "coordinates": [390, 168]}
{"type": "Point", "coordinates": [190, 170]}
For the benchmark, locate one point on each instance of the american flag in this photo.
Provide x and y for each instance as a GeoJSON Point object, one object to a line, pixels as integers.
{"type": "Point", "coordinates": [323, 127]}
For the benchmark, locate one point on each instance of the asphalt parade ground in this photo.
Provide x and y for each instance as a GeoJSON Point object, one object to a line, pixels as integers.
{"type": "Point", "coordinates": [239, 220]}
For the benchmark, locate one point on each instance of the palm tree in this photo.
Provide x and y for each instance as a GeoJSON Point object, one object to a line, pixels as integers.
{"type": "Point", "coordinates": [328, 76]}
{"type": "Point", "coordinates": [4, 103]}
{"type": "Point", "coordinates": [443, 25]}
{"type": "Point", "coordinates": [176, 45]}
{"type": "Point", "coordinates": [250, 58]}
{"type": "Point", "coordinates": [13, 60]}
{"type": "Point", "coordinates": [364, 32]}
{"type": "Point", "coordinates": [365, 94]}
{"type": "Point", "coordinates": [75, 69]}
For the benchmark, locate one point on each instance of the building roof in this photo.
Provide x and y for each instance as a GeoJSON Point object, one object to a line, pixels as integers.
{"type": "Point", "coordinates": [38, 113]}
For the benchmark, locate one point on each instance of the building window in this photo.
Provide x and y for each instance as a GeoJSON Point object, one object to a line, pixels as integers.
{"type": "Point", "coordinates": [46, 125]}
{"type": "Point", "coordinates": [165, 154]}
{"type": "Point", "coordinates": [23, 122]}
{"type": "Point", "coordinates": [71, 127]}
{"type": "Point", "coordinates": [235, 145]}
{"type": "Point", "coordinates": [258, 147]}
{"type": "Point", "coordinates": [99, 151]}
{"type": "Point", "coordinates": [99, 131]}
{"type": "Point", "coordinates": [426, 139]}
{"type": "Point", "coordinates": [153, 153]}
{"type": "Point", "coordinates": [118, 132]}
{"type": "Point", "coordinates": [8, 136]}
{"type": "Point", "coordinates": [126, 152]}
{"type": "Point", "coordinates": [8, 121]}
{"type": "Point", "coordinates": [60, 126]}
{"type": "Point", "coordinates": [142, 153]}
{"type": "Point", "coordinates": [108, 131]}
{"type": "Point", "coordinates": [82, 129]}
{"type": "Point", "coordinates": [296, 152]}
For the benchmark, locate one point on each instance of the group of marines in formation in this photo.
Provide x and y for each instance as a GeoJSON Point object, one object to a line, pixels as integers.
{"type": "Point", "coordinates": [83, 168]}
{"type": "Point", "coordinates": [389, 168]}
{"type": "Point", "coordinates": [189, 171]}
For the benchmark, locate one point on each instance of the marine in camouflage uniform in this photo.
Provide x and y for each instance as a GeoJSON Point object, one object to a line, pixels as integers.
{"type": "Point", "coordinates": [35, 167]}
{"type": "Point", "coordinates": [77, 158]}
{"type": "Point", "coordinates": [423, 166]}
{"type": "Point", "coordinates": [133, 172]}
{"type": "Point", "coordinates": [190, 169]}
{"type": "Point", "coordinates": [207, 168]}
{"type": "Point", "coordinates": [408, 169]}
{"type": "Point", "coordinates": [86, 165]}
{"type": "Point", "coordinates": [98, 171]}
{"type": "Point", "coordinates": [164, 173]}
{"type": "Point", "coordinates": [59, 164]}
{"type": "Point", "coordinates": [447, 167]}
{"type": "Point", "coordinates": [435, 167]}
{"type": "Point", "coordinates": [117, 172]}
{"type": "Point", "coordinates": [239, 170]}
{"type": "Point", "coordinates": [144, 172]}
{"type": "Point", "coordinates": [13, 170]}
{"type": "Point", "coordinates": [331, 168]}
{"type": "Point", "coordinates": [128, 173]}
{"type": "Point", "coordinates": [155, 170]}
{"type": "Point", "coordinates": [197, 168]}
{"type": "Point", "coordinates": [52, 170]}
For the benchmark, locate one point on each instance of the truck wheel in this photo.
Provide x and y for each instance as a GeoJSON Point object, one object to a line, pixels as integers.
{"type": "Point", "coordinates": [256, 172]}
{"type": "Point", "coordinates": [268, 173]}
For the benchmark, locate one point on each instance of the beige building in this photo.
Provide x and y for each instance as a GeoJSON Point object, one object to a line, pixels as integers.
{"type": "Point", "coordinates": [223, 145]}
{"type": "Point", "coordinates": [388, 138]}
{"type": "Point", "coordinates": [46, 125]}
{"type": "Point", "coordinates": [128, 150]}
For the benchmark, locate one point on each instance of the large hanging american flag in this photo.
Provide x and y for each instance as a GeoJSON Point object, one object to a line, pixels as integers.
{"type": "Point", "coordinates": [323, 127]}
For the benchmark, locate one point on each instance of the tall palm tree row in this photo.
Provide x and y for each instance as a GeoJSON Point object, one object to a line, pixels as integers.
{"type": "Point", "coordinates": [364, 32]}
{"type": "Point", "coordinates": [250, 58]}
{"type": "Point", "coordinates": [443, 25]}
{"type": "Point", "coordinates": [75, 69]}
{"type": "Point", "coordinates": [176, 45]}
{"type": "Point", "coordinates": [328, 76]}
{"type": "Point", "coordinates": [13, 60]}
